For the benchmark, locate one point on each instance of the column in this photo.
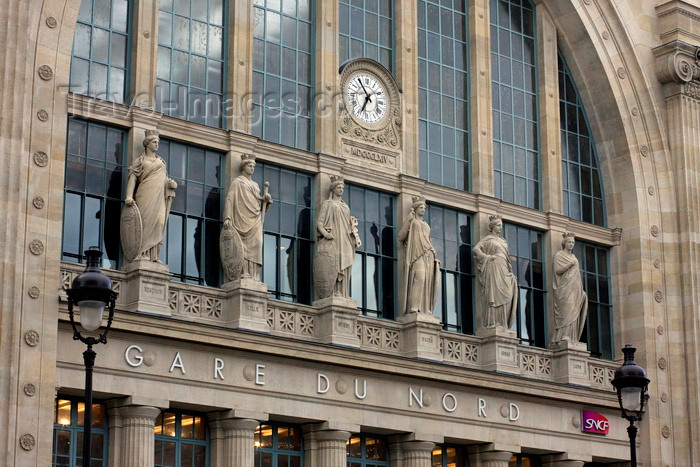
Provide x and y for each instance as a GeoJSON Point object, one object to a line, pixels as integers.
{"type": "Point", "coordinates": [232, 441]}
{"type": "Point", "coordinates": [417, 453]}
{"type": "Point", "coordinates": [325, 448]}
{"type": "Point", "coordinates": [137, 440]}
{"type": "Point", "coordinates": [489, 456]}
{"type": "Point", "coordinates": [566, 460]}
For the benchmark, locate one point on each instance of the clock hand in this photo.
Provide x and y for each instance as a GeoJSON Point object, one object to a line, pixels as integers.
{"type": "Point", "coordinates": [367, 99]}
{"type": "Point", "coordinates": [363, 87]}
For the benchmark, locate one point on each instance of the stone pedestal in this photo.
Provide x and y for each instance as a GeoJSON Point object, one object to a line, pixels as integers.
{"type": "Point", "coordinates": [499, 350]}
{"type": "Point", "coordinates": [137, 441]}
{"type": "Point", "coordinates": [570, 363]}
{"type": "Point", "coordinates": [146, 287]}
{"type": "Point", "coordinates": [337, 320]}
{"type": "Point", "coordinates": [232, 441]}
{"type": "Point", "coordinates": [245, 305]}
{"type": "Point", "coordinates": [421, 336]}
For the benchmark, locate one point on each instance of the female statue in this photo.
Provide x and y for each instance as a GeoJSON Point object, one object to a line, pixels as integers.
{"type": "Point", "coordinates": [497, 283]}
{"type": "Point", "coordinates": [151, 190]}
{"type": "Point", "coordinates": [337, 241]}
{"type": "Point", "coordinates": [570, 301]}
{"type": "Point", "coordinates": [422, 269]}
{"type": "Point", "coordinates": [244, 214]}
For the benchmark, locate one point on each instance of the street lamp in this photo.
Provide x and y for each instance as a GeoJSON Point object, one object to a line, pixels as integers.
{"type": "Point", "coordinates": [91, 291]}
{"type": "Point", "coordinates": [631, 383]}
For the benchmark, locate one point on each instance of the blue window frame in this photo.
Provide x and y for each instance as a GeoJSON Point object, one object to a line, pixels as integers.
{"type": "Point", "coordinates": [367, 31]}
{"type": "Point", "coordinates": [598, 332]}
{"type": "Point", "coordinates": [278, 445]}
{"type": "Point", "coordinates": [527, 258]}
{"type": "Point", "coordinates": [582, 184]}
{"type": "Point", "coordinates": [445, 455]}
{"type": "Point", "coordinates": [288, 233]}
{"type": "Point", "coordinates": [515, 108]}
{"type": "Point", "coordinates": [191, 60]}
{"type": "Point", "coordinates": [68, 426]}
{"type": "Point", "coordinates": [99, 65]}
{"type": "Point", "coordinates": [451, 233]}
{"type": "Point", "coordinates": [93, 191]}
{"type": "Point", "coordinates": [181, 440]}
{"type": "Point", "coordinates": [373, 283]}
{"type": "Point", "coordinates": [443, 93]}
{"type": "Point", "coordinates": [367, 451]}
{"type": "Point", "coordinates": [191, 243]}
{"type": "Point", "coordinates": [282, 72]}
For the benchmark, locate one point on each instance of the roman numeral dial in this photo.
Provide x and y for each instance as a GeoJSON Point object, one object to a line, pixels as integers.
{"type": "Point", "coordinates": [367, 97]}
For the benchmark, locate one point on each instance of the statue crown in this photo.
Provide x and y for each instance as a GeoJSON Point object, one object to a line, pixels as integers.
{"type": "Point", "coordinates": [417, 200]}
{"type": "Point", "coordinates": [247, 158]}
{"type": "Point", "coordinates": [336, 180]}
{"type": "Point", "coordinates": [567, 235]}
{"type": "Point", "coordinates": [495, 217]}
{"type": "Point", "coordinates": [152, 134]}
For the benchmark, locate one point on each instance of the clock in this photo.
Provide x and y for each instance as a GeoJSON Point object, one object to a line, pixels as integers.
{"type": "Point", "coordinates": [367, 98]}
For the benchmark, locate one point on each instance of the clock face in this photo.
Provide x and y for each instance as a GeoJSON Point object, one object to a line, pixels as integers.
{"type": "Point", "coordinates": [367, 97]}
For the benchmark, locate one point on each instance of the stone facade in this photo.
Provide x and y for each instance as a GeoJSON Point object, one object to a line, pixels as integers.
{"type": "Point", "coordinates": [637, 68]}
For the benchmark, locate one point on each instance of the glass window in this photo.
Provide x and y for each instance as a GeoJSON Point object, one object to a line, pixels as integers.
{"type": "Point", "coordinates": [282, 72]}
{"type": "Point", "coordinates": [526, 256]}
{"type": "Point", "coordinates": [93, 191]}
{"type": "Point", "coordinates": [191, 60]}
{"type": "Point", "coordinates": [278, 445]}
{"type": "Point", "coordinates": [582, 184]}
{"type": "Point", "coordinates": [288, 233]}
{"type": "Point", "coordinates": [525, 460]}
{"type": "Point", "coordinates": [449, 456]}
{"type": "Point", "coordinates": [514, 94]}
{"type": "Point", "coordinates": [598, 332]}
{"type": "Point", "coordinates": [367, 451]}
{"type": "Point", "coordinates": [443, 89]}
{"type": "Point", "coordinates": [99, 65]}
{"type": "Point", "coordinates": [191, 243]}
{"type": "Point", "coordinates": [451, 233]}
{"type": "Point", "coordinates": [367, 31]}
{"type": "Point", "coordinates": [68, 426]}
{"type": "Point", "coordinates": [372, 283]}
{"type": "Point", "coordinates": [181, 440]}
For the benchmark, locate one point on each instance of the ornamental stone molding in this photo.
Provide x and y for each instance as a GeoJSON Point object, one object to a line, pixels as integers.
{"type": "Point", "coordinates": [38, 202]}
{"type": "Point", "coordinates": [45, 72]}
{"type": "Point", "coordinates": [51, 22]}
{"type": "Point", "coordinates": [34, 291]}
{"type": "Point", "coordinates": [36, 247]}
{"type": "Point", "coordinates": [42, 115]}
{"type": "Point", "coordinates": [41, 159]}
{"type": "Point", "coordinates": [29, 389]}
{"type": "Point", "coordinates": [27, 442]}
{"type": "Point", "coordinates": [31, 337]}
{"type": "Point", "coordinates": [679, 62]}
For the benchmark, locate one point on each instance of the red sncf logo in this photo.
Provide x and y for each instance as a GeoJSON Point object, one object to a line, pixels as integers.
{"type": "Point", "coordinates": [592, 422]}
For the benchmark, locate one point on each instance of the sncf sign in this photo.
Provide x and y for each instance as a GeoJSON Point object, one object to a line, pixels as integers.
{"type": "Point", "coordinates": [592, 422]}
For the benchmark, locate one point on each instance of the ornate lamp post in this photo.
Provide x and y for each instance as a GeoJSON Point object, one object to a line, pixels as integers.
{"type": "Point", "coordinates": [91, 291]}
{"type": "Point", "coordinates": [631, 383]}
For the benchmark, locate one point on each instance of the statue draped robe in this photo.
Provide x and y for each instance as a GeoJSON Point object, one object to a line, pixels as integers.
{"type": "Point", "coordinates": [335, 217]}
{"type": "Point", "coordinates": [244, 209]}
{"type": "Point", "coordinates": [499, 287]}
{"type": "Point", "coordinates": [570, 301]}
{"type": "Point", "coordinates": [422, 273]}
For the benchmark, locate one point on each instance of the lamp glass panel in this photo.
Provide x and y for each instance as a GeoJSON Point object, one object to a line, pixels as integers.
{"type": "Point", "coordinates": [91, 312]}
{"type": "Point", "coordinates": [631, 398]}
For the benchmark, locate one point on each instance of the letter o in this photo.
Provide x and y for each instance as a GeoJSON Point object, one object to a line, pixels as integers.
{"type": "Point", "coordinates": [454, 402]}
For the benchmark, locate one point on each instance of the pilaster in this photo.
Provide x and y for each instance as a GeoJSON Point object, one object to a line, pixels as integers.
{"type": "Point", "coordinates": [137, 440]}
{"type": "Point", "coordinates": [327, 91]}
{"type": "Point", "coordinates": [489, 456]}
{"type": "Point", "coordinates": [417, 453]}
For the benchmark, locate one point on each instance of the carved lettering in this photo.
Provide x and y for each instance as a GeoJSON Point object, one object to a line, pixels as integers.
{"type": "Point", "coordinates": [138, 358]}
{"type": "Point", "coordinates": [427, 339]}
{"type": "Point", "coordinates": [177, 363]}
{"type": "Point", "coordinates": [370, 155]}
{"type": "Point", "coordinates": [218, 366]}
{"type": "Point", "coordinates": [364, 389]}
{"type": "Point", "coordinates": [259, 374]}
{"type": "Point", "coordinates": [449, 395]}
{"type": "Point", "coordinates": [418, 397]}
{"type": "Point", "coordinates": [482, 408]}
{"type": "Point", "coordinates": [513, 412]}
{"type": "Point", "coordinates": [505, 353]}
{"type": "Point", "coordinates": [155, 290]}
{"type": "Point", "coordinates": [323, 383]}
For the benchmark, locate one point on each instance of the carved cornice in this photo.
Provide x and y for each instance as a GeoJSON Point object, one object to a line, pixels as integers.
{"type": "Point", "coordinates": [679, 62]}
